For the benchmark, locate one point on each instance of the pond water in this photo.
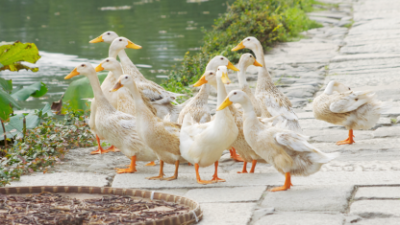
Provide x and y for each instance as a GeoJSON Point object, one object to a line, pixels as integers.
{"type": "Point", "coordinates": [166, 29]}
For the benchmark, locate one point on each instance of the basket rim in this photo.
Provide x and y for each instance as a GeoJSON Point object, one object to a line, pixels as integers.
{"type": "Point", "coordinates": [194, 215]}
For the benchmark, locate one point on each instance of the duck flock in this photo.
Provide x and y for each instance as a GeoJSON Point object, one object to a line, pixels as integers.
{"type": "Point", "coordinates": [138, 118]}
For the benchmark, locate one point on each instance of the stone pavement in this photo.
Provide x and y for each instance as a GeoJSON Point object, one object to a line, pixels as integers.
{"type": "Point", "coordinates": [361, 187]}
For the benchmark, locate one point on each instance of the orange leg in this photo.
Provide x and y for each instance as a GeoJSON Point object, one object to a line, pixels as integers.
{"type": "Point", "coordinates": [235, 156]}
{"type": "Point", "coordinates": [131, 168]}
{"type": "Point", "coordinates": [112, 148]}
{"type": "Point", "coordinates": [244, 170]}
{"type": "Point", "coordinates": [215, 176]}
{"type": "Point", "coordinates": [152, 163]}
{"type": "Point", "coordinates": [286, 186]}
{"type": "Point", "coordinates": [199, 180]}
{"type": "Point", "coordinates": [161, 173]}
{"type": "Point", "coordinates": [175, 176]}
{"type": "Point", "coordinates": [348, 141]}
{"type": "Point", "coordinates": [99, 150]}
{"type": "Point", "coordinates": [253, 165]}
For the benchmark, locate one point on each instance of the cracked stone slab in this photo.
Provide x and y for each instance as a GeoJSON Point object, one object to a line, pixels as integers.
{"type": "Point", "coordinates": [302, 218]}
{"type": "Point", "coordinates": [376, 144]}
{"type": "Point", "coordinates": [61, 179]}
{"type": "Point", "coordinates": [219, 195]}
{"type": "Point", "coordinates": [375, 208]}
{"type": "Point", "coordinates": [333, 135]}
{"type": "Point", "coordinates": [332, 199]}
{"type": "Point", "coordinates": [226, 213]}
{"type": "Point", "coordinates": [377, 193]}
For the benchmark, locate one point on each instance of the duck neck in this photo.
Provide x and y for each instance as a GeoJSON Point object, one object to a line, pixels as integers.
{"type": "Point", "coordinates": [131, 69]}
{"type": "Point", "coordinates": [242, 76]}
{"type": "Point", "coordinates": [221, 95]}
{"type": "Point", "coordinates": [329, 88]}
{"type": "Point", "coordinates": [113, 52]}
{"type": "Point", "coordinates": [97, 92]}
{"type": "Point", "coordinates": [249, 114]}
{"type": "Point", "coordinates": [204, 92]}
{"type": "Point", "coordinates": [139, 103]}
{"type": "Point", "coordinates": [117, 72]}
{"type": "Point", "coordinates": [264, 78]}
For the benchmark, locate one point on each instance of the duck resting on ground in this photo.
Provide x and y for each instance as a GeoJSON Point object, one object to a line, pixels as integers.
{"type": "Point", "coordinates": [202, 144]}
{"type": "Point", "coordinates": [271, 101]}
{"type": "Point", "coordinates": [161, 136]}
{"type": "Point", "coordinates": [354, 110]}
{"type": "Point", "coordinates": [288, 151]}
{"type": "Point", "coordinates": [116, 127]}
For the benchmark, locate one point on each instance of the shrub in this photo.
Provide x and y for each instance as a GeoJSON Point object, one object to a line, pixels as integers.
{"type": "Point", "coordinates": [269, 21]}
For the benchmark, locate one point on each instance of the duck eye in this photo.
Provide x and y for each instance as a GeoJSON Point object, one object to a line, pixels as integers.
{"type": "Point", "coordinates": [120, 39]}
{"type": "Point", "coordinates": [211, 73]}
{"type": "Point", "coordinates": [222, 58]}
{"type": "Point", "coordinates": [83, 65]}
{"type": "Point", "coordinates": [248, 39]}
{"type": "Point", "coordinates": [126, 77]}
{"type": "Point", "coordinates": [107, 60]}
{"type": "Point", "coordinates": [251, 56]}
{"type": "Point", "coordinates": [349, 89]}
{"type": "Point", "coordinates": [108, 33]}
{"type": "Point", "coordinates": [234, 93]}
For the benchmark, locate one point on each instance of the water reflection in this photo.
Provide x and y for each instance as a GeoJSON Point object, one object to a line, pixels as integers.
{"type": "Point", "coordinates": [165, 28]}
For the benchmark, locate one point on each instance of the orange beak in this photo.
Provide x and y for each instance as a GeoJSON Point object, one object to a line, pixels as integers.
{"type": "Point", "coordinates": [133, 45]}
{"type": "Point", "coordinates": [257, 63]}
{"type": "Point", "coordinates": [117, 86]}
{"type": "Point", "coordinates": [201, 81]}
{"type": "Point", "coordinates": [97, 40]}
{"type": "Point", "coordinates": [99, 68]}
{"type": "Point", "coordinates": [232, 67]}
{"type": "Point", "coordinates": [72, 74]}
{"type": "Point", "coordinates": [238, 47]}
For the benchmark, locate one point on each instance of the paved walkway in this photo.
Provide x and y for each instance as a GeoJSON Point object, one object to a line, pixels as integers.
{"type": "Point", "coordinates": [360, 187]}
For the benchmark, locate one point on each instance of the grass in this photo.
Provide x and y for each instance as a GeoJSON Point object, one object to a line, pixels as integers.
{"type": "Point", "coordinates": [270, 22]}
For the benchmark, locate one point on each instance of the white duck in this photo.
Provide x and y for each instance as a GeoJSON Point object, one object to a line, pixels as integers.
{"type": "Point", "coordinates": [197, 106]}
{"type": "Point", "coordinates": [271, 101]}
{"type": "Point", "coordinates": [161, 99]}
{"type": "Point", "coordinates": [288, 151]}
{"type": "Point", "coordinates": [203, 144]}
{"type": "Point", "coordinates": [116, 127]}
{"type": "Point", "coordinates": [161, 136]}
{"type": "Point", "coordinates": [111, 97]}
{"type": "Point", "coordinates": [352, 109]}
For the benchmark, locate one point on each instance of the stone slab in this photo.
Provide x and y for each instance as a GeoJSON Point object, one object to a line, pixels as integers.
{"type": "Point", "coordinates": [334, 135]}
{"type": "Point", "coordinates": [61, 179]}
{"type": "Point", "coordinates": [220, 195]}
{"type": "Point", "coordinates": [226, 213]}
{"type": "Point", "coordinates": [332, 199]}
{"type": "Point", "coordinates": [303, 218]}
{"type": "Point", "coordinates": [375, 208]}
{"type": "Point", "coordinates": [383, 132]}
{"type": "Point", "coordinates": [378, 221]}
{"type": "Point", "coordinates": [377, 192]}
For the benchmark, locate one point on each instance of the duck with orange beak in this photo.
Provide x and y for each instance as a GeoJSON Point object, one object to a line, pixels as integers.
{"type": "Point", "coordinates": [289, 152]}
{"type": "Point", "coordinates": [271, 101]}
{"type": "Point", "coordinates": [161, 136]}
{"type": "Point", "coordinates": [116, 127]}
{"type": "Point", "coordinates": [106, 85]}
{"type": "Point", "coordinates": [202, 144]}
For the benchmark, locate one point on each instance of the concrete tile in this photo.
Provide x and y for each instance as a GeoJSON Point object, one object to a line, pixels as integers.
{"type": "Point", "coordinates": [383, 132]}
{"type": "Point", "coordinates": [226, 213]}
{"type": "Point", "coordinates": [60, 179]}
{"type": "Point", "coordinates": [377, 192]}
{"type": "Point", "coordinates": [376, 221]}
{"type": "Point", "coordinates": [331, 199]}
{"type": "Point", "coordinates": [235, 194]}
{"type": "Point", "coordinates": [303, 218]}
{"type": "Point", "coordinates": [375, 208]}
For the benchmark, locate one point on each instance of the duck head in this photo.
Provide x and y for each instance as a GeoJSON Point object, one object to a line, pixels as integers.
{"type": "Point", "coordinates": [235, 96]}
{"type": "Point", "coordinates": [123, 80]}
{"type": "Point", "coordinates": [211, 77]}
{"type": "Point", "coordinates": [248, 59]}
{"type": "Point", "coordinates": [251, 43]}
{"type": "Point", "coordinates": [83, 69]}
{"type": "Point", "coordinates": [220, 60]}
{"type": "Point", "coordinates": [106, 37]}
{"type": "Point", "coordinates": [108, 64]}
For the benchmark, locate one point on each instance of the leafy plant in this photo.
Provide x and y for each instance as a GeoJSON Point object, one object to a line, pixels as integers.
{"type": "Point", "coordinates": [13, 53]}
{"type": "Point", "coordinates": [45, 144]}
